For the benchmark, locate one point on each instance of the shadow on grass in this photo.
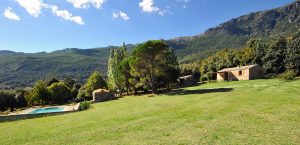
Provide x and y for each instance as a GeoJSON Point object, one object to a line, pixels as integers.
{"type": "Point", "coordinates": [200, 91]}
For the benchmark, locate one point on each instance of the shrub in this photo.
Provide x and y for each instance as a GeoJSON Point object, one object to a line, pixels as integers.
{"type": "Point", "coordinates": [84, 105]}
{"type": "Point", "coordinates": [75, 91]}
{"type": "Point", "coordinates": [39, 94]}
{"type": "Point", "coordinates": [82, 94]}
{"type": "Point", "coordinates": [203, 78]}
{"type": "Point", "coordinates": [7, 100]}
{"type": "Point", "coordinates": [94, 82]}
{"type": "Point", "coordinates": [288, 75]}
{"type": "Point", "coordinates": [20, 97]}
{"type": "Point", "coordinates": [60, 92]}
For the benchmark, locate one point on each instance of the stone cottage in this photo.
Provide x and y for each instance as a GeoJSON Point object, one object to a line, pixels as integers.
{"type": "Point", "coordinates": [249, 72]}
{"type": "Point", "coordinates": [102, 95]}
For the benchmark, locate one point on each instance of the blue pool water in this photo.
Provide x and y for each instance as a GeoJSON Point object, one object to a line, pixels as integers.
{"type": "Point", "coordinates": [47, 110]}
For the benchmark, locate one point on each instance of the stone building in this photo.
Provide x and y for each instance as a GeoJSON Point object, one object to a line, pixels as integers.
{"type": "Point", "coordinates": [186, 80]}
{"type": "Point", "coordinates": [102, 95]}
{"type": "Point", "coordinates": [249, 72]}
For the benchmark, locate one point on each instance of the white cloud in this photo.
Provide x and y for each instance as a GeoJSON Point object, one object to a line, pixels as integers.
{"type": "Point", "coordinates": [66, 15]}
{"type": "Point", "coordinates": [115, 15]}
{"type": "Point", "coordinates": [33, 7]}
{"type": "Point", "coordinates": [8, 13]}
{"type": "Point", "coordinates": [164, 12]}
{"type": "Point", "coordinates": [124, 16]}
{"type": "Point", "coordinates": [86, 3]}
{"type": "Point", "coordinates": [185, 2]}
{"type": "Point", "coordinates": [121, 14]}
{"type": "Point", "coordinates": [147, 6]}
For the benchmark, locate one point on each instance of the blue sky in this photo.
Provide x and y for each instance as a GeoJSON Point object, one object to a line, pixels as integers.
{"type": "Point", "coordinates": [49, 25]}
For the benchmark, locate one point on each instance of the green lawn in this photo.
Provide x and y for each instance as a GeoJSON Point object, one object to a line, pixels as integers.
{"type": "Point", "coordinates": [245, 112]}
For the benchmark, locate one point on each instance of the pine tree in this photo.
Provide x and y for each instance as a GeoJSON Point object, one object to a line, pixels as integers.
{"type": "Point", "coordinates": [149, 62]}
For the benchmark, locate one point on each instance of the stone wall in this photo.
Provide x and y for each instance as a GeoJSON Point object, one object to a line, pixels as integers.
{"type": "Point", "coordinates": [30, 116]}
{"type": "Point", "coordinates": [236, 76]}
{"type": "Point", "coordinates": [257, 72]}
{"type": "Point", "coordinates": [102, 95]}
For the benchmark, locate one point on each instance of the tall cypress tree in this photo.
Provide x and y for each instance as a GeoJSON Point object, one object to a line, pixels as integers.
{"type": "Point", "coordinates": [115, 75]}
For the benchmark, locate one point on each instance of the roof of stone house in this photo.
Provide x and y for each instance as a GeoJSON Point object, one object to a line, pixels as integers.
{"type": "Point", "coordinates": [237, 68]}
{"type": "Point", "coordinates": [101, 91]}
{"type": "Point", "coordinates": [185, 77]}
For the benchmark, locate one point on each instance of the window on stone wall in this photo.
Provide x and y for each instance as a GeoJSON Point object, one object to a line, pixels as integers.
{"type": "Point", "coordinates": [240, 73]}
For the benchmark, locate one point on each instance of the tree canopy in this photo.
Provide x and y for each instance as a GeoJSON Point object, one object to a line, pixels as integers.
{"type": "Point", "coordinates": [94, 82]}
{"type": "Point", "coordinates": [151, 60]}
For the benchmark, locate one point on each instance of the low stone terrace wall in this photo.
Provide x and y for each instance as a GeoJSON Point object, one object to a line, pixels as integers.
{"type": "Point", "coordinates": [16, 117]}
{"type": "Point", "coordinates": [30, 116]}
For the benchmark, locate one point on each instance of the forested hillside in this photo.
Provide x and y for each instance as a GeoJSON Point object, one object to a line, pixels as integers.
{"type": "Point", "coordinates": [235, 33]}
{"type": "Point", "coordinates": [21, 69]}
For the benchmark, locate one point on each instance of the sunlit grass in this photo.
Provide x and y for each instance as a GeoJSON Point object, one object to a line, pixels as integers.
{"type": "Point", "coordinates": [245, 112]}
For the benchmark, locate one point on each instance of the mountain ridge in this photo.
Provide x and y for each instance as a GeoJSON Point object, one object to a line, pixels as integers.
{"type": "Point", "coordinates": [23, 69]}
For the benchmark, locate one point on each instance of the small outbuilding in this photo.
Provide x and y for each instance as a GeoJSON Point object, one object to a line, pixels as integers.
{"type": "Point", "coordinates": [102, 95]}
{"type": "Point", "coordinates": [186, 80]}
{"type": "Point", "coordinates": [249, 72]}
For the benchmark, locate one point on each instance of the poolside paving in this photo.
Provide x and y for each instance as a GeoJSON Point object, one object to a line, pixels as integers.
{"type": "Point", "coordinates": [71, 107]}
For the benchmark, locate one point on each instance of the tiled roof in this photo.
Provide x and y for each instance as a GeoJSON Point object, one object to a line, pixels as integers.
{"type": "Point", "coordinates": [237, 68]}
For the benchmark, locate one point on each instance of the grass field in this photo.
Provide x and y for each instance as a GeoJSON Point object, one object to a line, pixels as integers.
{"type": "Point", "coordinates": [245, 112]}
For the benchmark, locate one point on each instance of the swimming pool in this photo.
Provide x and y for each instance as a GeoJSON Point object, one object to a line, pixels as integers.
{"type": "Point", "coordinates": [47, 110]}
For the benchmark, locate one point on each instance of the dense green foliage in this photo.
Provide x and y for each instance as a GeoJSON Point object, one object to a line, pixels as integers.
{"type": "Point", "coordinates": [292, 61]}
{"type": "Point", "coordinates": [117, 74]}
{"type": "Point", "coordinates": [94, 82]}
{"type": "Point", "coordinates": [288, 75]}
{"type": "Point", "coordinates": [275, 56]}
{"type": "Point", "coordinates": [247, 112]}
{"type": "Point", "coordinates": [60, 92]}
{"type": "Point", "coordinates": [151, 66]}
{"type": "Point", "coordinates": [68, 63]}
{"type": "Point", "coordinates": [84, 105]}
{"type": "Point", "coordinates": [7, 100]}
{"type": "Point", "coordinates": [153, 63]}
{"type": "Point", "coordinates": [77, 63]}
{"type": "Point", "coordinates": [279, 55]}
{"type": "Point", "coordinates": [51, 91]}
{"type": "Point", "coordinates": [236, 32]}
{"type": "Point", "coordinates": [39, 94]}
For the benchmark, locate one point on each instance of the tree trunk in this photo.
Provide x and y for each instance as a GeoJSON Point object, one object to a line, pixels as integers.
{"type": "Point", "coordinates": [153, 87]}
